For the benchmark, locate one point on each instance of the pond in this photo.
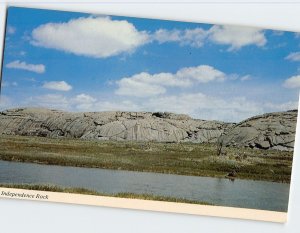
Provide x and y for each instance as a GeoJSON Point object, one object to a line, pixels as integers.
{"type": "Point", "coordinates": [218, 191]}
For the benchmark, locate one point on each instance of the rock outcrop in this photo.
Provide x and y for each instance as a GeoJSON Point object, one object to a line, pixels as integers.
{"type": "Point", "coordinates": [267, 131]}
{"type": "Point", "coordinates": [136, 126]}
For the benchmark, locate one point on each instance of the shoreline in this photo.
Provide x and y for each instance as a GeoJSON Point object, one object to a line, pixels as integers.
{"type": "Point", "coordinates": [166, 158]}
{"type": "Point", "coordinates": [83, 191]}
{"type": "Point", "coordinates": [221, 176]}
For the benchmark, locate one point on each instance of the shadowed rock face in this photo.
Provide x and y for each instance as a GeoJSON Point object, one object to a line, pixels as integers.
{"type": "Point", "coordinates": [136, 126]}
{"type": "Point", "coordinates": [267, 131]}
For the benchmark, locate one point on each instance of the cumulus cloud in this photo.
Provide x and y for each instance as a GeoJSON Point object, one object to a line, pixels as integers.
{"type": "Point", "coordinates": [293, 56]}
{"type": "Point", "coordinates": [234, 36]}
{"type": "Point", "coordinates": [202, 74]}
{"type": "Point", "coordinates": [84, 98]}
{"type": "Point", "coordinates": [201, 106]}
{"type": "Point", "coordinates": [101, 37]}
{"type": "Point", "coordinates": [37, 68]}
{"type": "Point", "coordinates": [83, 102]}
{"type": "Point", "coordinates": [192, 37]}
{"type": "Point", "coordinates": [52, 101]}
{"type": "Point", "coordinates": [145, 84]}
{"type": "Point", "coordinates": [212, 107]}
{"type": "Point", "coordinates": [290, 105]}
{"type": "Point", "coordinates": [292, 82]}
{"type": "Point", "coordinates": [139, 86]}
{"type": "Point", "coordinates": [237, 36]}
{"type": "Point", "coordinates": [198, 105]}
{"type": "Point", "coordinates": [57, 85]}
{"type": "Point", "coordinates": [97, 37]}
{"type": "Point", "coordinates": [121, 105]}
{"type": "Point", "coordinates": [80, 102]}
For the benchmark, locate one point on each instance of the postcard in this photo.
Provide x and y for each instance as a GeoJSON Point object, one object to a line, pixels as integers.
{"type": "Point", "coordinates": [148, 114]}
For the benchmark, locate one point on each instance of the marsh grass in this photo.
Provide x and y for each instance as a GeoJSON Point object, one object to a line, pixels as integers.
{"type": "Point", "coordinates": [173, 158]}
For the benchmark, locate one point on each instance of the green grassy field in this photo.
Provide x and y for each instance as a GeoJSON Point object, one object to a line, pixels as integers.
{"type": "Point", "coordinates": [172, 158]}
{"type": "Point", "coordinates": [53, 188]}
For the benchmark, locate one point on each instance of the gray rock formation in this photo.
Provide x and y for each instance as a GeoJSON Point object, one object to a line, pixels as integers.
{"type": "Point", "coordinates": [136, 126]}
{"type": "Point", "coordinates": [267, 131]}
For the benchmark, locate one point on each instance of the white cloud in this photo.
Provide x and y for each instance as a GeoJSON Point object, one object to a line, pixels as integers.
{"type": "Point", "coordinates": [102, 37]}
{"type": "Point", "coordinates": [198, 105]}
{"type": "Point", "coordinates": [290, 105]}
{"type": "Point", "coordinates": [136, 86]}
{"type": "Point", "coordinates": [202, 74]}
{"type": "Point", "coordinates": [164, 35]}
{"type": "Point", "coordinates": [81, 102]}
{"type": "Point", "coordinates": [211, 107]}
{"type": "Point", "coordinates": [84, 102]}
{"type": "Point", "coordinates": [10, 30]}
{"type": "Point", "coordinates": [57, 85]}
{"type": "Point", "coordinates": [84, 98]}
{"type": "Point", "coordinates": [237, 36]}
{"type": "Point", "coordinates": [145, 84]}
{"type": "Point", "coordinates": [98, 37]}
{"type": "Point", "coordinates": [201, 106]}
{"type": "Point", "coordinates": [234, 36]}
{"type": "Point", "coordinates": [37, 68]}
{"type": "Point", "coordinates": [30, 79]}
{"type": "Point", "coordinates": [52, 101]}
{"type": "Point", "coordinates": [292, 82]}
{"type": "Point", "coordinates": [9, 84]}
{"type": "Point", "coordinates": [122, 105]}
{"type": "Point", "coordinates": [192, 37]}
{"type": "Point", "coordinates": [246, 78]}
{"type": "Point", "coordinates": [293, 56]}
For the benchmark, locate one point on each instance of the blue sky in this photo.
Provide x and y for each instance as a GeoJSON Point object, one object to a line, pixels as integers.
{"type": "Point", "coordinates": [86, 62]}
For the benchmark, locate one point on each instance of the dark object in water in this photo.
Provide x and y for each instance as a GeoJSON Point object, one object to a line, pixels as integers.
{"type": "Point", "coordinates": [231, 175]}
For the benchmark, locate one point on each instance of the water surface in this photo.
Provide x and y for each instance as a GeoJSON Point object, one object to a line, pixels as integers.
{"type": "Point", "coordinates": [218, 191]}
